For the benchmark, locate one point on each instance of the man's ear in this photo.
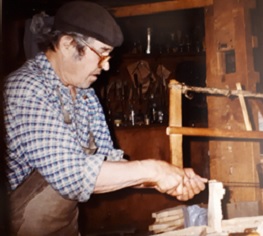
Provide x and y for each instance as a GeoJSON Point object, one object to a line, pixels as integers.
{"type": "Point", "coordinates": [66, 44]}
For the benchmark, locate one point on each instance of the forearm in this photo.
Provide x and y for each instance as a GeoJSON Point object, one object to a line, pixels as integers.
{"type": "Point", "coordinates": [164, 177]}
{"type": "Point", "coordinates": [118, 175]}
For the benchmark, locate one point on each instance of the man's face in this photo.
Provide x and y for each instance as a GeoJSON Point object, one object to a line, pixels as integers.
{"type": "Point", "coordinates": [82, 71]}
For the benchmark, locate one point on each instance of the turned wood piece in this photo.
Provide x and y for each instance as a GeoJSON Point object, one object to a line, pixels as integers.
{"type": "Point", "coordinates": [215, 216]}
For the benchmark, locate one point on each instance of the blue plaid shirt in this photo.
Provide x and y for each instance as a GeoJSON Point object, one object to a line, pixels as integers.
{"type": "Point", "coordinates": [38, 138]}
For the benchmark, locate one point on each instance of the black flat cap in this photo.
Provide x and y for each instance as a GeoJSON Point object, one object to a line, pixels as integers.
{"type": "Point", "coordinates": [89, 19]}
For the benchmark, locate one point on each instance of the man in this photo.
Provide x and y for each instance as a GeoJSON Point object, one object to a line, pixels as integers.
{"type": "Point", "coordinates": [59, 149]}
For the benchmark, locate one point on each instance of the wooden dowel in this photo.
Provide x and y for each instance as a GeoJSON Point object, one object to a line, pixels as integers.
{"type": "Point", "coordinates": [211, 132]}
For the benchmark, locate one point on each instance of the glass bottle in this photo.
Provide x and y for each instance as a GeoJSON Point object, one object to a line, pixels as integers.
{"type": "Point", "coordinates": [149, 35]}
{"type": "Point", "coordinates": [153, 109]}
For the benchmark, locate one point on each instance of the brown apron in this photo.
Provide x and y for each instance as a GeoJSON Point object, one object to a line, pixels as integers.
{"type": "Point", "coordinates": [37, 209]}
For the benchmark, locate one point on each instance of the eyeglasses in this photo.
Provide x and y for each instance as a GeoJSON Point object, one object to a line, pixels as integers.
{"type": "Point", "coordinates": [102, 59]}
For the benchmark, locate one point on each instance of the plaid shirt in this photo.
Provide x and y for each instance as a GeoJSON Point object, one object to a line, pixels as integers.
{"type": "Point", "coordinates": [39, 138]}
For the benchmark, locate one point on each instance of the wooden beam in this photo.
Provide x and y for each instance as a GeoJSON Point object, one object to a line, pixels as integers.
{"type": "Point", "coordinates": [244, 108]}
{"type": "Point", "coordinates": [175, 119]}
{"type": "Point", "coordinates": [213, 132]}
{"type": "Point", "coordinates": [157, 7]}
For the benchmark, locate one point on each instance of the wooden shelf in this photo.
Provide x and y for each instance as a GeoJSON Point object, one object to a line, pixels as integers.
{"type": "Point", "coordinates": [181, 56]}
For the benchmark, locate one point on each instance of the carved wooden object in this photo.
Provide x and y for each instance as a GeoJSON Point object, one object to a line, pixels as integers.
{"type": "Point", "coordinates": [216, 194]}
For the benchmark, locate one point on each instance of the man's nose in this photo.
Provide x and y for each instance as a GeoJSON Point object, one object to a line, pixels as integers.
{"type": "Point", "coordinates": [105, 65]}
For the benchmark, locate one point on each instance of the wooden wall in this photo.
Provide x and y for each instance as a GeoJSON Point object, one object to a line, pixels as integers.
{"type": "Point", "coordinates": [232, 161]}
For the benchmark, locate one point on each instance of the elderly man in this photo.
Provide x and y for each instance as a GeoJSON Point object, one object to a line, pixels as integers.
{"type": "Point", "coordinates": [59, 149]}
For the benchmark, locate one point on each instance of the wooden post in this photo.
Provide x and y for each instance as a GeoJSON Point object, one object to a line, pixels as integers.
{"type": "Point", "coordinates": [175, 119]}
{"type": "Point", "coordinates": [228, 31]}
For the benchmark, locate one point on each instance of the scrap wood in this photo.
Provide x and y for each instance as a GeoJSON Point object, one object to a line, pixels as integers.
{"type": "Point", "coordinates": [191, 231]}
{"type": "Point", "coordinates": [166, 230]}
{"type": "Point", "coordinates": [169, 218]}
{"type": "Point", "coordinates": [239, 224]}
{"type": "Point", "coordinates": [229, 226]}
{"type": "Point", "coordinates": [167, 226]}
{"type": "Point", "coordinates": [169, 211]}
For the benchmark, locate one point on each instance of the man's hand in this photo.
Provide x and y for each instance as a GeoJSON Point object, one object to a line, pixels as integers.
{"type": "Point", "coordinates": [192, 185]}
{"type": "Point", "coordinates": [183, 184]}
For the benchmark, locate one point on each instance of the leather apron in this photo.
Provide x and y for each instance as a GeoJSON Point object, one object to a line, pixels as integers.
{"type": "Point", "coordinates": [38, 210]}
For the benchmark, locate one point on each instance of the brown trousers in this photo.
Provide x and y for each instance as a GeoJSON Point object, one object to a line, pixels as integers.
{"type": "Point", "coordinates": [38, 210]}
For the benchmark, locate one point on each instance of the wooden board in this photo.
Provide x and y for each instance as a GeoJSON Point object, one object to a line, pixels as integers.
{"type": "Point", "coordinates": [164, 6]}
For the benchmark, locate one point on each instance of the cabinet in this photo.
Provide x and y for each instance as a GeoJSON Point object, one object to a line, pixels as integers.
{"type": "Point", "coordinates": [145, 92]}
{"type": "Point", "coordinates": [156, 48]}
